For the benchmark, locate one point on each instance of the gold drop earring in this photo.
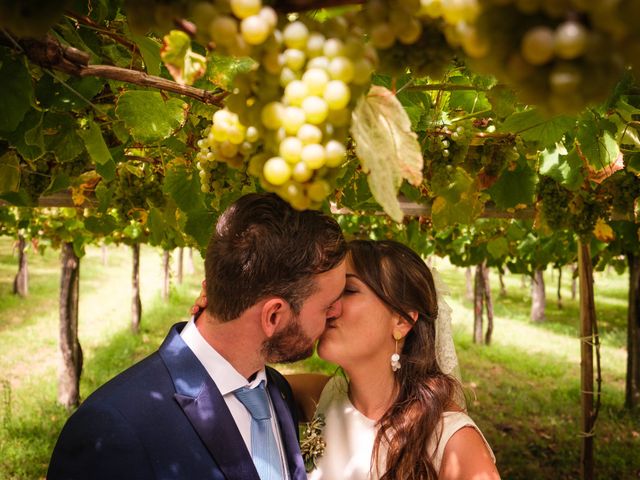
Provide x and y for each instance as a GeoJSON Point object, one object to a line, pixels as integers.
{"type": "Point", "coordinates": [395, 358]}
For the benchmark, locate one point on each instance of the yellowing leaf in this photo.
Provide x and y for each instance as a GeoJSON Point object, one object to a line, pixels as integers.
{"type": "Point", "coordinates": [603, 232]}
{"type": "Point", "coordinates": [387, 148]}
{"type": "Point", "coordinates": [184, 64]}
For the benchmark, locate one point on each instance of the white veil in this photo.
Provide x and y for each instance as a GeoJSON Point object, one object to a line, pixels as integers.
{"type": "Point", "coordinates": [445, 348]}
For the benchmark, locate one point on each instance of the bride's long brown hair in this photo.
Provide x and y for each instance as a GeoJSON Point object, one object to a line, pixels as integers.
{"type": "Point", "coordinates": [401, 279]}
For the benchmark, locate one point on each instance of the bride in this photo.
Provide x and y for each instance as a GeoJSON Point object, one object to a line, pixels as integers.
{"type": "Point", "coordinates": [397, 414]}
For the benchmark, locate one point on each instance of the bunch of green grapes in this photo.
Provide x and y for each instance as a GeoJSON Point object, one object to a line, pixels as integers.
{"type": "Point", "coordinates": [405, 38]}
{"type": "Point", "coordinates": [31, 18]}
{"type": "Point", "coordinates": [585, 209]}
{"type": "Point", "coordinates": [621, 190]}
{"type": "Point", "coordinates": [137, 187]}
{"type": "Point", "coordinates": [293, 109]}
{"type": "Point", "coordinates": [35, 177]}
{"type": "Point", "coordinates": [156, 15]}
{"type": "Point", "coordinates": [555, 199]}
{"type": "Point", "coordinates": [550, 51]}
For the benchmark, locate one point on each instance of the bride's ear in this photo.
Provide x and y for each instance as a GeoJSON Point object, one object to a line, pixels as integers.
{"type": "Point", "coordinates": [402, 325]}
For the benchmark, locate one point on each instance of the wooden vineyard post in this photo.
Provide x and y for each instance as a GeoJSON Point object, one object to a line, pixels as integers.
{"type": "Point", "coordinates": [136, 304]}
{"type": "Point", "coordinates": [588, 338]}
{"type": "Point", "coordinates": [69, 379]}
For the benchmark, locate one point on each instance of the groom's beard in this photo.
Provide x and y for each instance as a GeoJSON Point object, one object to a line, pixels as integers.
{"type": "Point", "coordinates": [289, 345]}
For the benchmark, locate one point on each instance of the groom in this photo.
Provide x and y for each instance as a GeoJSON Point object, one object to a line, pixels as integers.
{"type": "Point", "coordinates": [273, 277]}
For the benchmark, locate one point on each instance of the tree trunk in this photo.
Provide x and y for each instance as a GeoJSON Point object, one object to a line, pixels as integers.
{"type": "Point", "coordinates": [136, 304]}
{"type": "Point", "coordinates": [180, 264]}
{"type": "Point", "coordinates": [574, 276]}
{"type": "Point", "coordinates": [559, 288]}
{"type": "Point", "coordinates": [478, 296]}
{"type": "Point", "coordinates": [166, 281]}
{"type": "Point", "coordinates": [632, 390]}
{"type": "Point", "coordinates": [503, 288]}
{"type": "Point", "coordinates": [469, 277]}
{"type": "Point", "coordinates": [189, 267]}
{"type": "Point", "coordinates": [587, 320]}
{"type": "Point", "coordinates": [537, 297]}
{"type": "Point", "coordinates": [523, 281]}
{"type": "Point", "coordinates": [488, 304]}
{"type": "Point", "coordinates": [71, 367]}
{"type": "Point", "coordinates": [105, 254]}
{"type": "Point", "coordinates": [21, 281]}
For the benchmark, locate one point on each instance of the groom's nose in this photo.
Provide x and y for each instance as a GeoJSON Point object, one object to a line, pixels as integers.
{"type": "Point", "coordinates": [336, 309]}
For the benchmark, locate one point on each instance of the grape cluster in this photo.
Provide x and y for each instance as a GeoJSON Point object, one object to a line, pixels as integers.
{"type": "Point", "coordinates": [551, 52]}
{"type": "Point", "coordinates": [35, 177]}
{"type": "Point", "coordinates": [136, 188]}
{"type": "Point", "coordinates": [564, 209]}
{"type": "Point", "coordinates": [287, 119]}
{"type": "Point", "coordinates": [621, 190]}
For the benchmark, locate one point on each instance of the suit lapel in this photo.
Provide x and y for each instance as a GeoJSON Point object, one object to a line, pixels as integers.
{"type": "Point", "coordinates": [288, 432]}
{"type": "Point", "coordinates": [202, 403]}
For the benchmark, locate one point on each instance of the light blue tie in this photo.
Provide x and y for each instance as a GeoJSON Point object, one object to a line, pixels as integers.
{"type": "Point", "coordinates": [264, 449]}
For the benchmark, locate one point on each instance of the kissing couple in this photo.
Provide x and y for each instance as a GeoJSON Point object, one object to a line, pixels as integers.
{"type": "Point", "coordinates": [207, 406]}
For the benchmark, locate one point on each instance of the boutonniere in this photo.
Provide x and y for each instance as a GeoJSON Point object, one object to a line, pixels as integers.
{"type": "Point", "coordinates": [311, 442]}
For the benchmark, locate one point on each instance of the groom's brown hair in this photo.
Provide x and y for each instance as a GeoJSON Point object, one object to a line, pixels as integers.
{"type": "Point", "coordinates": [263, 247]}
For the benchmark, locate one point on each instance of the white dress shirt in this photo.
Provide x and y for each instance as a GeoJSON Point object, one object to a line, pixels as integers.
{"type": "Point", "coordinates": [228, 379]}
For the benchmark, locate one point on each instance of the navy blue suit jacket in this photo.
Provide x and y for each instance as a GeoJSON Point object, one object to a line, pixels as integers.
{"type": "Point", "coordinates": [164, 418]}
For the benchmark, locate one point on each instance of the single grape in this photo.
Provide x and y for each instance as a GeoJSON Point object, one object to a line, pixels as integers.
{"type": "Point", "coordinates": [254, 29]}
{"type": "Point", "coordinates": [314, 156]}
{"type": "Point", "coordinates": [316, 109]}
{"type": "Point", "coordinates": [272, 114]}
{"type": "Point", "coordinates": [309, 134]}
{"type": "Point", "coordinates": [295, 35]}
{"type": "Point", "coordinates": [570, 40]}
{"type": "Point", "coordinates": [318, 190]}
{"type": "Point", "coordinates": [337, 94]}
{"type": "Point", "coordinates": [341, 68]}
{"type": "Point", "coordinates": [294, 58]}
{"type": "Point", "coordinates": [292, 119]}
{"type": "Point", "coordinates": [537, 45]}
{"type": "Point", "coordinates": [333, 47]}
{"type": "Point", "coordinates": [276, 171]}
{"type": "Point", "coordinates": [223, 30]}
{"type": "Point", "coordinates": [301, 172]}
{"type": "Point", "coordinates": [382, 36]}
{"type": "Point", "coordinates": [245, 8]}
{"type": "Point", "coordinates": [315, 45]}
{"type": "Point", "coordinates": [335, 153]}
{"type": "Point", "coordinates": [316, 80]}
{"type": "Point", "coordinates": [291, 149]}
{"type": "Point", "coordinates": [295, 92]}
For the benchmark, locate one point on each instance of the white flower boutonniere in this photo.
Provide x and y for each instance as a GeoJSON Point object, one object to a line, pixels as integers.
{"type": "Point", "coordinates": [311, 442]}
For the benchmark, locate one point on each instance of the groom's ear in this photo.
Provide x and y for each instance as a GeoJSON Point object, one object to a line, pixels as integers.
{"type": "Point", "coordinates": [274, 314]}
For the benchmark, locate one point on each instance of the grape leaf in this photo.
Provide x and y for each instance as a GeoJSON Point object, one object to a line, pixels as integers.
{"type": "Point", "coordinates": [533, 126]}
{"type": "Point", "coordinates": [148, 116]}
{"type": "Point", "coordinates": [96, 146]}
{"type": "Point", "coordinates": [183, 185]}
{"type": "Point", "coordinates": [597, 142]}
{"type": "Point", "coordinates": [222, 69]}
{"type": "Point", "coordinates": [17, 92]}
{"type": "Point", "coordinates": [514, 187]}
{"type": "Point", "coordinates": [58, 183]}
{"type": "Point", "coordinates": [503, 100]}
{"type": "Point", "coordinates": [465, 211]}
{"type": "Point", "coordinates": [100, 225]}
{"type": "Point", "coordinates": [498, 247]}
{"type": "Point", "coordinates": [150, 51]}
{"type": "Point", "coordinates": [184, 65]}
{"type": "Point", "coordinates": [633, 161]}
{"type": "Point", "coordinates": [60, 136]}
{"type": "Point", "coordinates": [9, 172]}
{"type": "Point", "coordinates": [200, 225]}
{"type": "Point", "coordinates": [387, 148]}
{"type": "Point", "coordinates": [565, 168]}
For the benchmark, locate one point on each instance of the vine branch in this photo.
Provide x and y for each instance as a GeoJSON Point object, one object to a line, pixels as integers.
{"type": "Point", "coordinates": [49, 53]}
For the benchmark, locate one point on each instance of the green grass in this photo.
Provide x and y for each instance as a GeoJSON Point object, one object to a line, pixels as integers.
{"type": "Point", "coordinates": [523, 390]}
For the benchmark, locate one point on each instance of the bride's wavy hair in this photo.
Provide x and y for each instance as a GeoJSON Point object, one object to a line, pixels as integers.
{"type": "Point", "coordinates": [402, 280]}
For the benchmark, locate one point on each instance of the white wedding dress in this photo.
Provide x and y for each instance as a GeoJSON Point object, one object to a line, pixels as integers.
{"type": "Point", "coordinates": [349, 437]}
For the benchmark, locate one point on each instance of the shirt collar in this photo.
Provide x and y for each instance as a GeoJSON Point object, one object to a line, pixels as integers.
{"type": "Point", "coordinates": [225, 376]}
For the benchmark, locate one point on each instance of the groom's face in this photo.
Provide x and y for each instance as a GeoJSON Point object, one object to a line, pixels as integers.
{"type": "Point", "coordinates": [296, 340]}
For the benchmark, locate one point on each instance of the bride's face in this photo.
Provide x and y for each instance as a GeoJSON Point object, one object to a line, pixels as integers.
{"type": "Point", "coordinates": [362, 334]}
